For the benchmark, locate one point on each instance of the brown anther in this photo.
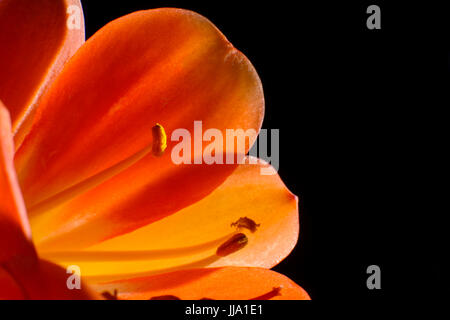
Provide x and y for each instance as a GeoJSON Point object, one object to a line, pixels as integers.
{"type": "Point", "coordinates": [109, 296]}
{"type": "Point", "coordinates": [166, 297]}
{"type": "Point", "coordinates": [276, 291]}
{"type": "Point", "coordinates": [235, 243]}
{"type": "Point", "coordinates": [247, 223]}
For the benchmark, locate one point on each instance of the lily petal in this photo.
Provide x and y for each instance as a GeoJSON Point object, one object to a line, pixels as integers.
{"type": "Point", "coordinates": [126, 202]}
{"type": "Point", "coordinates": [15, 240]}
{"type": "Point", "coordinates": [167, 66]}
{"type": "Point", "coordinates": [228, 283]}
{"type": "Point", "coordinates": [9, 288]}
{"type": "Point", "coordinates": [191, 237]}
{"type": "Point", "coordinates": [36, 42]}
{"type": "Point", "coordinates": [22, 274]}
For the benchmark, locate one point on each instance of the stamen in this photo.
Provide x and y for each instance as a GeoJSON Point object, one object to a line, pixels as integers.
{"type": "Point", "coordinates": [235, 243]}
{"type": "Point", "coordinates": [159, 140]}
{"type": "Point", "coordinates": [247, 223]}
{"type": "Point", "coordinates": [192, 265]}
{"type": "Point", "coordinates": [167, 297]}
{"type": "Point", "coordinates": [98, 256]}
{"type": "Point", "coordinates": [159, 145]}
{"type": "Point", "coordinates": [267, 296]}
{"type": "Point", "coordinates": [275, 292]}
{"type": "Point", "coordinates": [109, 296]}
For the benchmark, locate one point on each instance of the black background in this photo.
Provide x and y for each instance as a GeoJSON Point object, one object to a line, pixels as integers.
{"type": "Point", "coordinates": [346, 101]}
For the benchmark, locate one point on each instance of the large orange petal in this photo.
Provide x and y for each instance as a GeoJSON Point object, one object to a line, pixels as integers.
{"type": "Point", "coordinates": [17, 254]}
{"type": "Point", "coordinates": [15, 234]}
{"type": "Point", "coordinates": [229, 283]}
{"type": "Point", "coordinates": [194, 233]}
{"type": "Point", "coordinates": [22, 274]}
{"type": "Point", "coordinates": [167, 66]}
{"type": "Point", "coordinates": [128, 201]}
{"type": "Point", "coordinates": [36, 42]}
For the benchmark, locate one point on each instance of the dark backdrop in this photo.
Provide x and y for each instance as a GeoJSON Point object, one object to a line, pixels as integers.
{"type": "Point", "coordinates": [342, 98]}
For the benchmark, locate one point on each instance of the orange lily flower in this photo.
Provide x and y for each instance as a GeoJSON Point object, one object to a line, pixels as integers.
{"type": "Point", "coordinates": [85, 178]}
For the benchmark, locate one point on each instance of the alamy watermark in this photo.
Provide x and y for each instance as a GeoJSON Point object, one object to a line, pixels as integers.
{"type": "Point", "coordinates": [73, 21]}
{"type": "Point", "coordinates": [212, 146]}
{"type": "Point", "coordinates": [374, 20]}
{"type": "Point", "coordinates": [74, 280]}
{"type": "Point", "coordinates": [374, 280]}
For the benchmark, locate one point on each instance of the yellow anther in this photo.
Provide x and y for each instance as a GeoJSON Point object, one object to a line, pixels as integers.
{"type": "Point", "coordinates": [159, 140]}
